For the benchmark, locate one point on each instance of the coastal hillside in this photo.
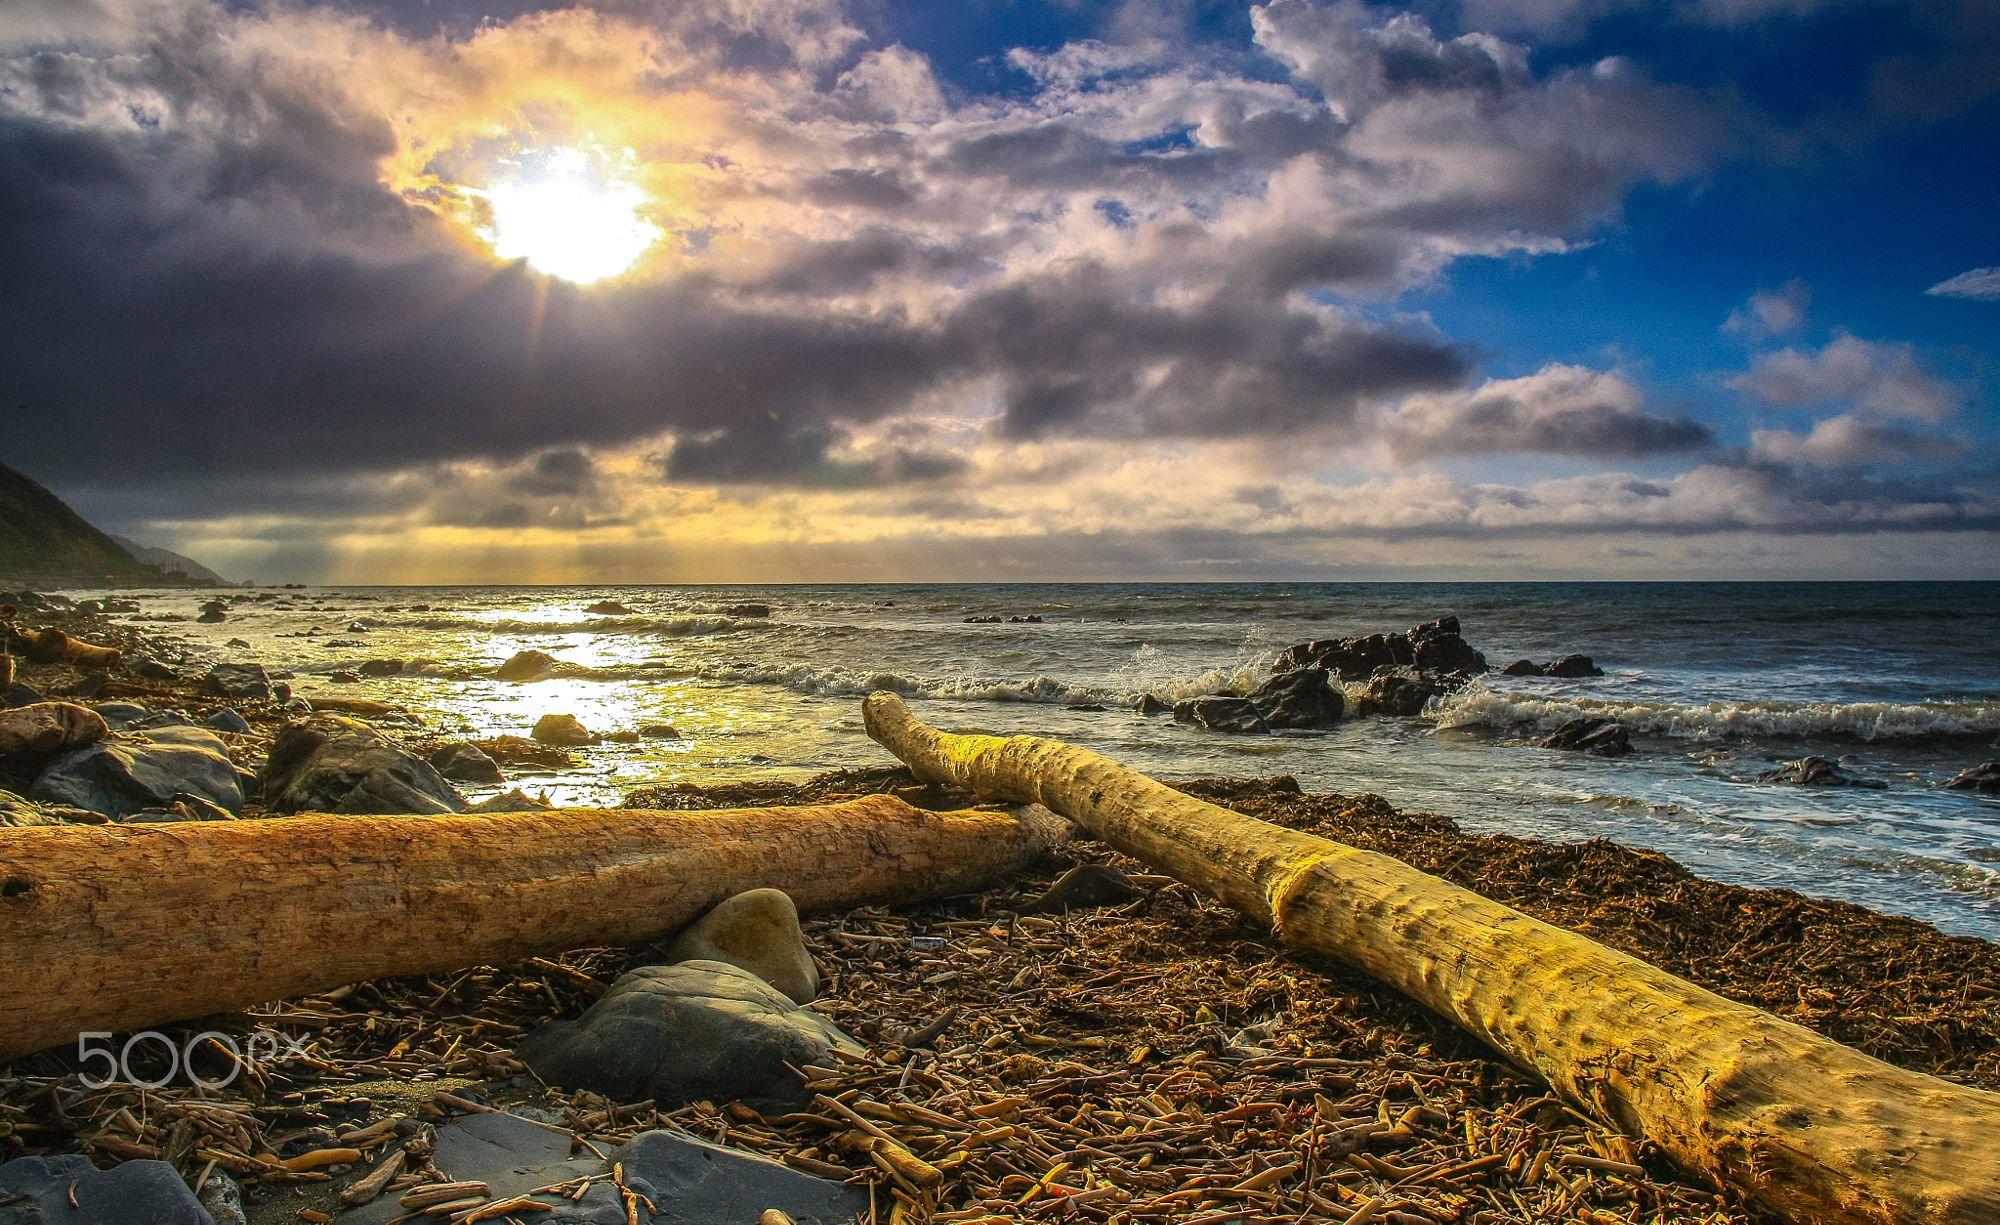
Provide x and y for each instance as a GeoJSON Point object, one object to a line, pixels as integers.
{"type": "Point", "coordinates": [170, 562]}
{"type": "Point", "coordinates": [43, 541]}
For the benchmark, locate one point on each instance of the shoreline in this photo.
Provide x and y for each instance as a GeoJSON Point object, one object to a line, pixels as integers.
{"type": "Point", "coordinates": [1167, 1008]}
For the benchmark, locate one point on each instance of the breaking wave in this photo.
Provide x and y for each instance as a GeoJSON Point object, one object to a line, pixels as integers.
{"type": "Point", "coordinates": [1048, 690]}
{"type": "Point", "coordinates": [688, 626]}
{"type": "Point", "coordinates": [1479, 705]}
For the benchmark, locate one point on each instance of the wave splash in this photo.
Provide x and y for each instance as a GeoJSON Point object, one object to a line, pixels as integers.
{"type": "Point", "coordinates": [1479, 705]}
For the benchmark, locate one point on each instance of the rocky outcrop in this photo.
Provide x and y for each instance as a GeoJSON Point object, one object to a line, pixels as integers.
{"type": "Point", "coordinates": [526, 666]}
{"type": "Point", "coordinates": [1983, 777]}
{"type": "Point", "coordinates": [70, 1190]}
{"type": "Point", "coordinates": [1399, 692]}
{"type": "Point", "coordinates": [1435, 646]}
{"type": "Point", "coordinates": [132, 771]}
{"type": "Point", "coordinates": [562, 730]}
{"type": "Point", "coordinates": [700, 1029]}
{"type": "Point", "coordinates": [756, 931]}
{"type": "Point", "coordinates": [1817, 772]}
{"type": "Point", "coordinates": [1150, 704]}
{"type": "Point", "coordinates": [1302, 698]}
{"type": "Point", "coordinates": [1569, 667]}
{"type": "Point", "coordinates": [466, 763]}
{"type": "Point", "coordinates": [329, 764]}
{"type": "Point", "coordinates": [1221, 713]}
{"type": "Point", "coordinates": [1596, 736]}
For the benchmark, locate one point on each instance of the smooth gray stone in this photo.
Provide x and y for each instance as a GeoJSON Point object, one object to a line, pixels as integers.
{"type": "Point", "coordinates": [329, 764]}
{"type": "Point", "coordinates": [135, 770]}
{"type": "Point", "coordinates": [130, 1193]}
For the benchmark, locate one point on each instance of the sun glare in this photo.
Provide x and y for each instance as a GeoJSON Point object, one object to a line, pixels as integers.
{"type": "Point", "coordinates": [569, 220]}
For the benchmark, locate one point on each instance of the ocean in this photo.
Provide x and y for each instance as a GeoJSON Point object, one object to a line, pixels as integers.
{"type": "Point", "coordinates": [1899, 681]}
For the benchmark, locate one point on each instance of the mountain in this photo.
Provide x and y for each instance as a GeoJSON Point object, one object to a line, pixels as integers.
{"type": "Point", "coordinates": [171, 562]}
{"type": "Point", "coordinates": [44, 542]}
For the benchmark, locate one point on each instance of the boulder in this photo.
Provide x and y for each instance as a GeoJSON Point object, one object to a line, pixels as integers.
{"type": "Point", "coordinates": [227, 720]}
{"type": "Point", "coordinates": [238, 682]}
{"type": "Point", "coordinates": [679, 1180]}
{"type": "Point", "coordinates": [1221, 713]}
{"type": "Point", "coordinates": [214, 612]}
{"type": "Point", "coordinates": [1437, 647]}
{"type": "Point", "coordinates": [381, 667]}
{"type": "Point", "coordinates": [145, 667]}
{"type": "Point", "coordinates": [561, 730]}
{"type": "Point", "coordinates": [70, 1190]}
{"type": "Point", "coordinates": [1400, 692]}
{"type": "Point", "coordinates": [700, 1029]}
{"type": "Point", "coordinates": [329, 764]}
{"type": "Point", "coordinates": [1983, 777]}
{"type": "Point", "coordinates": [1587, 734]}
{"type": "Point", "coordinates": [1817, 772]}
{"type": "Point", "coordinates": [135, 770]}
{"type": "Point", "coordinates": [1434, 647]}
{"type": "Point", "coordinates": [33, 736]}
{"type": "Point", "coordinates": [1087, 886]}
{"type": "Point", "coordinates": [465, 763]}
{"type": "Point", "coordinates": [1523, 667]}
{"type": "Point", "coordinates": [1150, 704]}
{"type": "Point", "coordinates": [526, 666]}
{"type": "Point", "coordinates": [659, 731]}
{"type": "Point", "coordinates": [1303, 697]}
{"type": "Point", "coordinates": [756, 931]}
{"type": "Point", "coordinates": [1571, 667]}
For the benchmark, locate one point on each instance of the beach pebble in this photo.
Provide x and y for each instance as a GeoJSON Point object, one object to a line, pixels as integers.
{"type": "Point", "coordinates": [1587, 734]}
{"type": "Point", "coordinates": [35, 1190]}
{"type": "Point", "coordinates": [1983, 777]}
{"type": "Point", "coordinates": [238, 682]}
{"type": "Point", "coordinates": [561, 730]}
{"type": "Point", "coordinates": [466, 763]}
{"type": "Point", "coordinates": [1219, 713]}
{"type": "Point", "coordinates": [227, 720]}
{"type": "Point", "coordinates": [133, 770]}
{"type": "Point", "coordinates": [700, 1029]}
{"type": "Point", "coordinates": [329, 764]}
{"type": "Point", "coordinates": [757, 931]}
{"type": "Point", "coordinates": [526, 666]}
{"type": "Point", "coordinates": [1303, 697]}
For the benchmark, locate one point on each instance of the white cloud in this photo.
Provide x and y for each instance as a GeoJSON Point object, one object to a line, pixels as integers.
{"type": "Point", "coordinates": [1771, 312]}
{"type": "Point", "coordinates": [1852, 440]}
{"type": "Point", "coordinates": [1558, 410]}
{"type": "Point", "coordinates": [1976, 283]}
{"type": "Point", "coordinates": [1883, 380]}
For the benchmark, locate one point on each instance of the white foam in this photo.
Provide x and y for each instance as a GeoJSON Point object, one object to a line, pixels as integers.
{"type": "Point", "coordinates": [1480, 705]}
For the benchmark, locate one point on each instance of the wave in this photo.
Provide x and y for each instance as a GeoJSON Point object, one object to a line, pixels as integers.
{"type": "Point", "coordinates": [1049, 690]}
{"type": "Point", "coordinates": [1479, 705]}
{"type": "Point", "coordinates": [689, 626]}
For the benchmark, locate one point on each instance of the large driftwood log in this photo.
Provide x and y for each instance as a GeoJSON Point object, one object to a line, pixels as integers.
{"type": "Point", "coordinates": [1807, 1127]}
{"type": "Point", "coordinates": [115, 927]}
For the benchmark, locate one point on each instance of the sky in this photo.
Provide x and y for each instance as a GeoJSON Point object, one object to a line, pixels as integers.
{"type": "Point", "coordinates": [815, 290]}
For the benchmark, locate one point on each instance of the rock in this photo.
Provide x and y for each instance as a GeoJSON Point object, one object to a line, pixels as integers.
{"type": "Point", "coordinates": [684, 1180]}
{"type": "Point", "coordinates": [1304, 697]}
{"type": "Point", "coordinates": [89, 685]}
{"type": "Point", "coordinates": [238, 682]}
{"type": "Point", "coordinates": [183, 807]}
{"type": "Point", "coordinates": [623, 735]}
{"type": "Point", "coordinates": [1570, 667]}
{"type": "Point", "coordinates": [749, 610]}
{"type": "Point", "coordinates": [357, 627]}
{"type": "Point", "coordinates": [982, 620]}
{"type": "Point", "coordinates": [561, 730]}
{"type": "Point", "coordinates": [1434, 647]}
{"type": "Point", "coordinates": [18, 694]}
{"type": "Point", "coordinates": [610, 608]}
{"type": "Point", "coordinates": [700, 1029]}
{"type": "Point", "coordinates": [214, 612]}
{"type": "Point", "coordinates": [516, 800]}
{"type": "Point", "coordinates": [145, 667]}
{"type": "Point", "coordinates": [134, 770]}
{"type": "Point", "coordinates": [119, 715]}
{"type": "Point", "coordinates": [1817, 772]}
{"type": "Point", "coordinates": [41, 1190]}
{"type": "Point", "coordinates": [1087, 886]}
{"type": "Point", "coordinates": [466, 763]}
{"type": "Point", "coordinates": [223, 1199]}
{"type": "Point", "coordinates": [227, 720]}
{"type": "Point", "coordinates": [329, 764]}
{"type": "Point", "coordinates": [1586, 734]}
{"type": "Point", "coordinates": [237, 644]}
{"type": "Point", "coordinates": [19, 812]}
{"type": "Point", "coordinates": [1030, 619]}
{"type": "Point", "coordinates": [33, 736]}
{"type": "Point", "coordinates": [659, 731]}
{"type": "Point", "coordinates": [1437, 647]}
{"type": "Point", "coordinates": [381, 667]}
{"type": "Point", "coordinates": [1221, 713]}
{"type": "Point", "coordinates": [756, 931]}
{"type": "Point", "coordinates": [1523, 667]}
{"type": "Point", "coordinates": [1151, 705]}
{"type": "Point", "coordinates": [1399, 692]}
{"type": "Point", "coordinates": [1088, 707]}
{"type": "Point", "coordinates": [1983, 777]}
{"type": "Point", "coordinates": [344, 677]}
{"type": "Point", "coordinates": [521, 751]}
{"type": "Point", "coordinates": [526, 666]}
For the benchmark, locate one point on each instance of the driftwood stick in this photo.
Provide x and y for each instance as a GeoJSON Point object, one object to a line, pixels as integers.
{"type": "Point", "coordinates": [120, 926]}
{"type": "Point", "coordinates": [1805, 1126]}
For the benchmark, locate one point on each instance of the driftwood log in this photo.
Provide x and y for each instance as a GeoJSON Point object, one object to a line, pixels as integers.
{"type": "Point", "coordinates": [117, 927]}
{"type": "Point", "coordinates": [1807, 1127]}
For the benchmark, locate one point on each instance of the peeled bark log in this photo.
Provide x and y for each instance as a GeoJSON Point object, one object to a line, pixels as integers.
{"type": "Point", "coordinates": [1805, 1126]}
{"type": "Point", "coordinates": [115, 927]}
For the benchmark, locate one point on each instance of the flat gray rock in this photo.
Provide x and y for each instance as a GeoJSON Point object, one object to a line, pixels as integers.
{"type": "Point", "coordinates": [329, 764]}
{"type": "Point", "coordinates": [130, 1193]}
{"type": "Point", "coordinates": [699, 1029]}
{"type": "Point", "coordinates": [689, 1182]}
{"type": "Point", "coordinates": [135, 770]}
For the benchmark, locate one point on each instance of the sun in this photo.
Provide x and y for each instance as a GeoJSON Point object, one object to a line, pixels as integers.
{"type": "Point", "coordinates": [569, 219]}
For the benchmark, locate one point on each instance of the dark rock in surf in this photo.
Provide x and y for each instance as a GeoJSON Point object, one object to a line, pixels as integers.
{"type": "Point", "coordinates": [1303, 698]}
{"type": "Point", "coordinates": [329, 764]}
{"type": "Point", "coordinates": [982, 620]}
{"type": "Point", "coordinates": [749, 610]}
{"type": "Point", "coordinates": [1151, 705]}
{"type": "Point", "coordinates": [1523, 667]}
{"type": "Point", "coordinates": [465, 763]}
{"type": "Point", "coordinates": [1571, 667]}
{"type": "Point", "coordinates": [1220, 713]}
{"type": "Point", "coordinates": [1437, 647]}
{"type": "Point", "coordinates": [1817, 772]}
{"type": "Point", "coordinates": [381, 668]}
{"type": "Point", "coordinates": [214, 612]}
{"type": "Point", "coordinates": [1586, 734]}
{"type": "Point", "coordinates": [526, 666]}
{"type": "Point", "coordinates": [1983, 777]}
{"type": "Point", "coordinates": [563, 730]}
{"type": "Point", "coordinates": [1399, 692]}
{"type": "Point", "coordinates": [609, 608]}
{"type": "Point", "coordinates": [659, 731]}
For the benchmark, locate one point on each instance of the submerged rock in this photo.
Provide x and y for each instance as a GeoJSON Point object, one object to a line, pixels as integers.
{"type": "Point", "coordinates": [238, 682]}
{"type": "Point", "coordinates": [526, 666]}
{"type": "Point", "coordinates": [1303, 697]}
{"type": "Point", "coordinates": [1587, 734]}
{"type": "Point", "coordinates": [756, 931]}
{"type": "Point", "coordinates": [71, 1191]}
{"type": "Point", "coordinates": [700, 1029]}
{"type": "Point", "coordinates": [1219, 713]}
{"type": "Point", "coordinates": [136, 770]}
{"type": "Point", "coordinates": [466, 763]}
{"type": "Point", "coordinates": [561, 730]}
{"type": "Point", "coordinates": [659, 731]}
{"type": "Point", "coordinates": [1983, 777]}
{"type": "Point", "coordinates": [329, 764]}
{"type": "Point", "coordinates": [379, 668]}
{"type": "Point", "coordinates": [521, 751]}
{"type": "Point", "coordinates": [1817, 772]}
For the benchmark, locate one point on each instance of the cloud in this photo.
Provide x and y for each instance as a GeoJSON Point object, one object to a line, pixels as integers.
{"type": "Point", "coordinates": [1879, 379]}
{"type": "Point", "coordinates": [1974, 283]}
{"type": "Point", "coordinates": [1852, 440]}
{"type": "Point", "coordinates": [1559, 410]}
{"type": "Point", "coordinates": [1771, 312]}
